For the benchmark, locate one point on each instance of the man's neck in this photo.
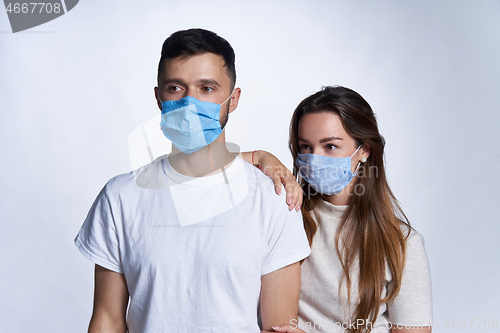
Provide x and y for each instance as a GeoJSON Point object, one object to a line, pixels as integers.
{"type": "Point", "coordinates": [207, 161]}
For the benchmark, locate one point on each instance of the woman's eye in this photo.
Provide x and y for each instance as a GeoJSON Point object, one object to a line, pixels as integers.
{"type": "Point", "coordinates": [331, 147]}
{"type": "Point", "coordinates": [304, 147]}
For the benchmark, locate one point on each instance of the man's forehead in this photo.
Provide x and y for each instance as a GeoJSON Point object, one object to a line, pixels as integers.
{"type": "Point", "coordinates": [203, 65]}
{"type": "Point", "coordinates": [197, 60]}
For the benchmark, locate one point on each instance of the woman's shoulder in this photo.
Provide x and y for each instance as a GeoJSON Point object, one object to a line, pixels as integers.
{"type": "Point", "coordinates": [409, 233]}
{"type": "Point", "coordinates": [416, 255]}
{"type": "Point", "coordinates": [415, 243]}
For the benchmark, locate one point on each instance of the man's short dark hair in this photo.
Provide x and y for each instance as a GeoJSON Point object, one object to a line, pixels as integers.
{"type": "Point", "coordinates": [191, 42]}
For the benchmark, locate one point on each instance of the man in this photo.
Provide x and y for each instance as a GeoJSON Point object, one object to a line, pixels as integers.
{"type": "Point", "coordinates": [197, 239]}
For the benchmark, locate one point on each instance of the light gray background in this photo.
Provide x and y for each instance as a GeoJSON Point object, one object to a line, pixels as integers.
{"type": "Point", "coordinates": [72, 90]}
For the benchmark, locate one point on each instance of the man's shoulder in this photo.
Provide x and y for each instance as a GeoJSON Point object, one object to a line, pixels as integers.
{"type": "Point", "coordinates": [261, 184]}
{"type": "Point", "coordinates": [149, 176]}
{"type": "Point", "coordinates": [258, 177]}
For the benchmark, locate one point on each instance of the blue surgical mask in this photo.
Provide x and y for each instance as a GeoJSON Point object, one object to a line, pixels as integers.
{"type": "Point", "coordinates": [191, 124]}
{"type": "Point", "coordinates": [327, 175]}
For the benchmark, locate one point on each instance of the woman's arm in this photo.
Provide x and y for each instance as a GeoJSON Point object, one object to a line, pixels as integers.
{"type": "Point", "coordinates": [412, 308]}
{"type": "Point", "coordinates": [272, 167]}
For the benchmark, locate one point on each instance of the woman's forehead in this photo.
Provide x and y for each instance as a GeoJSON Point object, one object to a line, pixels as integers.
{"type": "Point", "coordinates": [320, 125]}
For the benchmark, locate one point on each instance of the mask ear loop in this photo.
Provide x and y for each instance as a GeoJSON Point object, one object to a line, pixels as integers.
{"type": "Point", "coordinates": [228, 97]}
{"type": "Point", "coordinates": [359, 163]}
{"type": "Point", "coordinates": [158, 95]}
{"type": "Point", "coordinates": [210, 152]}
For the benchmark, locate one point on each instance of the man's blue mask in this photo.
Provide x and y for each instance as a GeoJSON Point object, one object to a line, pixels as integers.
{"type": "Point", "coordinates": [327, 175]}
{"type": "Point", "coordinates": [191, 124]}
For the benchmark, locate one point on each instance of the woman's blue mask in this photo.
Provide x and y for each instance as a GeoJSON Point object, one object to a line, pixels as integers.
{"type": "Point", "coordinates": [326, 175]}
{"type": "Point", "coordinates": [191, 124]}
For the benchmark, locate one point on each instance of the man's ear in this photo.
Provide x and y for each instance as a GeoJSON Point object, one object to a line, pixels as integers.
{"type": "Point", "coordinates": [233, 102]}
{"type": "Point", "coordinates": [157, 91]}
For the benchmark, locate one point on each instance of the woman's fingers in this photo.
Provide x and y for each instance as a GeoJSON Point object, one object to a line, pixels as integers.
{"type": "Point", "coordinates": [282, 175]}
{"type": "Point", "coordinates": [273, 168]}
{"type": "Point", "coordinates": [293, 191]}
{"type": "Point", "coordinates": [291, 194]}
{"type": "Point", "coordinates": [277, 183]}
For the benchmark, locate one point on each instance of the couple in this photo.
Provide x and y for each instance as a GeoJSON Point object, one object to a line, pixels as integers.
{"type": "Point", "coordinates": [198, 241]}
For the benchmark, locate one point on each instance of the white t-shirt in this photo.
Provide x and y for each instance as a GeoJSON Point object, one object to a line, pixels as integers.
{"type": "Point", "coordinates": [321, 309]}
{"type": "Point", "coordinates": [192, 249]}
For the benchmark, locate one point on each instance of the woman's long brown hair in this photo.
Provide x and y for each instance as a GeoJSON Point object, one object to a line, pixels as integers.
{"type": "Point", "coordinates": [371, 228]}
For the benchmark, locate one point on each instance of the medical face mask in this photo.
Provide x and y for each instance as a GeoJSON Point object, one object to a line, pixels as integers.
{"type": "Point", "coordinates": [191, 124]}
{"type": "Point", "coordinates": [327, 175]}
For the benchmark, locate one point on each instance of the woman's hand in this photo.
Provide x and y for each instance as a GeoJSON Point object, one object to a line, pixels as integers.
{"type": "Point", "coordinates": [285, 328]}
{"type": "Point", "coordinates": [273, 168]}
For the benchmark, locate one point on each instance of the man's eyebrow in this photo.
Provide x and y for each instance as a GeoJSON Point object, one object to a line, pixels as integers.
{"type": "Point", "coordinates": [200, 81]}
{"type": "Point", "coordinates": [208, 81]}
{"type": "Point", "coordinates": [173, 80]}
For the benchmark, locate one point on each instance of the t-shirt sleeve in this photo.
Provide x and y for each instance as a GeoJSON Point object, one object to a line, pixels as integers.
{"type": "Point", "coordinates": [413, 305]}
{"type": "Point", "coordinates": [286, 241]}
{"type": "Point", "coordinates": [98, 238]}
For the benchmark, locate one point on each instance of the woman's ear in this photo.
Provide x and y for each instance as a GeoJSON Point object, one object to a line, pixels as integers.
{"type": "Point", "coordinates": [365, 152]}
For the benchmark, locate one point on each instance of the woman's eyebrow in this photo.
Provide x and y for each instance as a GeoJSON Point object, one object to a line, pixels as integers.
{"type": "Point", "coordinates": [332, 138]}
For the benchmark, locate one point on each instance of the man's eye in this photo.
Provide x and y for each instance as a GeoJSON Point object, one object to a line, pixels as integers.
{"type": "Point", "coordinates": [174, 88]}
{"type": "Point", "coordinates": [207, 89]}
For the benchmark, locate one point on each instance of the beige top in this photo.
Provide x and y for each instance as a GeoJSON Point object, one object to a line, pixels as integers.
{"type": "Point", "coordinates": [321, 309]}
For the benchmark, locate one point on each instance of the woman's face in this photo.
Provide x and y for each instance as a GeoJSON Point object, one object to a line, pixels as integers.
{"type": "Point", "coordinates": [323, 134]}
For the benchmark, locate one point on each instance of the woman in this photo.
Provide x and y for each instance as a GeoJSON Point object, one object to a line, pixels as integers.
{"type": "Point", "coordinates": [368, 269]}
